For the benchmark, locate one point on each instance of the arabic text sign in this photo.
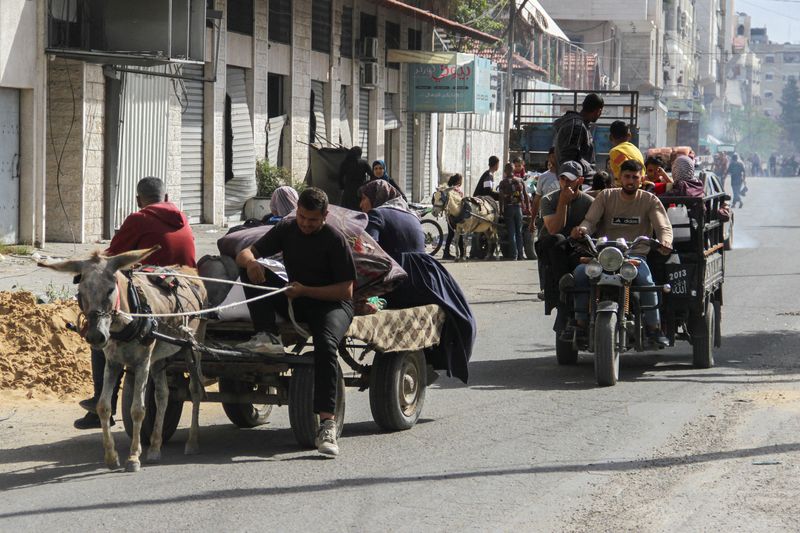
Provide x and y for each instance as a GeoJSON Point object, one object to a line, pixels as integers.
{"type": "Point", "coordinates": [464, 87]}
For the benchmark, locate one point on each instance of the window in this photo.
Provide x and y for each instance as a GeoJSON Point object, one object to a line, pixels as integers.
{"type": "Point", "coordinates": [369, 25]}
{"type": "Point", "coordinates": [789, 58]}
{"type": "Point", "coordinates": [768, 94]}
{"type": "Point", "coordinates": [414, 39]}
{"type": "Point", "coordinates": [346, 46]}
{"type": "Point", "coordinates": [769, 59]}
{"type": "Point", "coordinates": [392, 41]}
{"type": "Point", "coordinates": [240, 16]}
{"type": "Point", "coordinates": [280, 21]}
{"type": "Point", "coordinates": [321, 26]}
{"type": "Point", "coordinates": [769, 76]}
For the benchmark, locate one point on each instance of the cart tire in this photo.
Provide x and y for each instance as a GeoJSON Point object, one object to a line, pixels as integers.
{"type": "Point", "coordinates": [606, 351]}
{"type": "Point", "coordinates": [243, 415]}
{"type": "Point", "coordinates": [566, 354]}
{"type": "Point", "coordinates": [171, 418]}
{"type": "Point", "coordinates": [703, 336]}
{"type": "Point", "coordinates": [302, 418]}
{"type": "Point", "coordinates": [527, 243]}
{"type": "Point", "coordinates": [397, 385]}
{"type": "Point", "coordinates": [434, 237]}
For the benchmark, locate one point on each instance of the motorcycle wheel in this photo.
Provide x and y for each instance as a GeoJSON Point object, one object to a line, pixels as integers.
{"type": "Point", "coordinates": [606, 353]}
{"type": "Point", "coordinates": [434, 238]}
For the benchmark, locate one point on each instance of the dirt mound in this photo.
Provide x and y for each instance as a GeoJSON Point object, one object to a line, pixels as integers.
{"type": "Point", "coordinates": [37, 352]}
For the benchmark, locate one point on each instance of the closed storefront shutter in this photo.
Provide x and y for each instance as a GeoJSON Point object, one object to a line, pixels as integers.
{"type": "Point", "coordinates": [345, 137]}
{"type": "Point", "coordinates": [363, 123]}
{"type": "Point", "coordinates": [144, 123]}
{"type": "Point", "coordinates": [390, 119]}
{"type": "Point", "coordinates": [410, 155]}
{"type": "Point", "coordinates": [274, 131]}
{"type": "Point", "coordinates": [242, 186]}
{"type": "Point", "coordinates": [192, 145]}
{"type": "Point", "coordinates": [319, 112]}
{"type": "Point", "coordinates": [426, 166]}
{"type": "Point", "coordinates": [9, 165]}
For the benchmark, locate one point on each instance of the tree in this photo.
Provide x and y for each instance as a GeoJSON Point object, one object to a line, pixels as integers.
{"type": "Point", "coordinates": [752, 132]}
{"type": "Point", "coordinates": [482, 15]}
{"type": "Point", "coordinates": [790, 112]}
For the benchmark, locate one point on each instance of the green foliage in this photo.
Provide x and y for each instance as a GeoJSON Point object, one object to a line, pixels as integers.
{"type": "Point", "coordinates": [752, 132]}
{"type": "Point", "coordinates": [53, 293]}
{"type": "Point", "coordinates": [790, 112]}
{"type": "Point", "coordinates": [482, 15]}
{"type": "Point", "coordinates": [15, 249]}
{"type": "Point", "coordinates": [270, 177]}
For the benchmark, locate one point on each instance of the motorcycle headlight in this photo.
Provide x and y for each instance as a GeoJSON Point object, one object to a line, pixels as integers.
{"type": "Point", "coordinates": [593, 269]}
{"type": "Point", "coordinates": [611, 259]}
{"type": "Point", "coordinates": [628, 272]}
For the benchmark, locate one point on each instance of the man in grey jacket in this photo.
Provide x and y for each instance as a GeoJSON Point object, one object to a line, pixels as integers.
{"type": "Point", "coordinates": [572, 138]}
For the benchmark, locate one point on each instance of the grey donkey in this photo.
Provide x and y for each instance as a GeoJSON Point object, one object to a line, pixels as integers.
{"type": "Point", "coordinates": [102, 294]}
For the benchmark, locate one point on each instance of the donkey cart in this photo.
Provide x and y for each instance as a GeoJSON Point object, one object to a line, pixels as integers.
{"type": "Point", "coordinates": [384, 351]}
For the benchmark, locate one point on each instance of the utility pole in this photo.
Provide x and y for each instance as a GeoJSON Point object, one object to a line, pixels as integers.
{"type": "Point", "coordinates": [512, 12]}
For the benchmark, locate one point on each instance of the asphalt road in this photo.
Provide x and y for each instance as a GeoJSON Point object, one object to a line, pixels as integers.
{"type": "Point", "coordinates": [526, 445]}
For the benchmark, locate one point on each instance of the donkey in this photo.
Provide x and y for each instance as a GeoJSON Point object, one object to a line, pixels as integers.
{"type": "Point", "coordinates": [471, 214]}
{"type": "Point", "coordinates": [103, 296]}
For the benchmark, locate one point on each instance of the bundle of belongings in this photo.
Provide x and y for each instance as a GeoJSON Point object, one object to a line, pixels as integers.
{"type": "Point", "coordinates": [378, 274]}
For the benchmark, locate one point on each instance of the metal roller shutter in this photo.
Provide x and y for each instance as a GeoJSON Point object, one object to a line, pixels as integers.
{"type": "Point", "coordinates": [242, 186]}
{"type": "Point", "coordinates": [144, 124]}
{"type": "Point", "coordinates": [390, 119]}
{"type": "Point", "coordinates": [9, 165]}
{"type": "Point", "coordinates": [426, 165]}
{"type": "Point", "coordinates": [274, 131]}
{"type": "Point", "coordinates": [319, 112]}
{"type": "Point", "coordinates": [345, 137]}
{"type": "Point", "coordinates": [363, 122]}
{"type": "Point", "coordinates": [192, 145]}
{"type": "Point", "coordinates": [411, 154]}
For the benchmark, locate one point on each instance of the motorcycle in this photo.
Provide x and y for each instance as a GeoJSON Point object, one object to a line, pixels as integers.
{"type": "Point", "coordinates": [616, 316]}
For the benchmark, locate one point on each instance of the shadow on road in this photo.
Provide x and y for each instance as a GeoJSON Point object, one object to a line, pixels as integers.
{"type": "Point", "coordinates": [770, 353]}
{"type": "Point", "coordinates": [361, 482]}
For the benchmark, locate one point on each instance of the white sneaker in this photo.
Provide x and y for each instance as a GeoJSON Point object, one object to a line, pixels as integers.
{"type": "Point", "coordinates": [263, 343]}
{"type": "Point", "coordinates": [326, 438]}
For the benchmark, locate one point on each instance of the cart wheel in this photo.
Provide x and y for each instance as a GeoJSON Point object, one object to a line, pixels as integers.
{"type": "Point", "coordinates": [171, 418]}
{"type": "Point", "coordinates": [434, 238]}
{"type": "Point", "coordinates": [398, 381]}
{"type": "Point", "coordinates": [703, 336]}
{"type": "Point", "coordinates": [606, 354]}
{"type": "Point", "coordinates": [566, 354]}
{"type": "Point", "coordinates": [527, 243]}
{"type": "Point", "coordinates": [244, 415]}
{"type": "Point", "coordinates": [302, 418]}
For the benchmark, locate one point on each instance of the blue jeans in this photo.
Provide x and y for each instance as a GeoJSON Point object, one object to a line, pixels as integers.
{"type": "Point", "coordinates": [513, 217]}
{"type": "Point", "coordinates": [643, 279]}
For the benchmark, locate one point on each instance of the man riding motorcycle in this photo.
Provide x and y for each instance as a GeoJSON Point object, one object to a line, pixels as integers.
{"type": "Point", "coordinates": [627, 212]}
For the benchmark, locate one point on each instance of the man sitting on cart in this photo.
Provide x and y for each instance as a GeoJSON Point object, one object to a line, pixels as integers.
{"type": "Point", "coordinates": [321, 271]}
{"type": "Point", "coordinates": [626, 212]}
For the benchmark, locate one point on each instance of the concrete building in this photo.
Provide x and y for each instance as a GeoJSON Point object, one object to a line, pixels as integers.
{"type": "Point", "coordinates": [780, 62]}
{"type": "Point", "coordinates": [273, 77]}
{"type": "Point", "coordinates": [628, 36]}
{"type": "Point", "coordinates": [743, 70]}
{"type": "Point", "coordinates": [22, 122]}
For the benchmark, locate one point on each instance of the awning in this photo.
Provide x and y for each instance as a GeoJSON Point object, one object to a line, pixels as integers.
{"type": "Point", "coordinates": [438, 21]}
{"type": "Point", "coordinates": [535, 15]}
{"type": "Point", "coordinates": [429, 58]}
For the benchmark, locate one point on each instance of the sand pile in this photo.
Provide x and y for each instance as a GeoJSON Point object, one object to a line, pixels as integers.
{"type": "Point", "coordinates": [37, 352]}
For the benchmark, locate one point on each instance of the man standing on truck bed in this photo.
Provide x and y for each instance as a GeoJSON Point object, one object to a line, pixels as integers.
{"type": "Point", "coordinates": [572, 138]}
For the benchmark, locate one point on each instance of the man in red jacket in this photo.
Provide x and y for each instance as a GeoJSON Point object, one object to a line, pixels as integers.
{"type": "Point", "coordinates": [157, 222]}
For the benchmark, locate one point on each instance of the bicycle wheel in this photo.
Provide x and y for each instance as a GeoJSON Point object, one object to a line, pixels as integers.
{"type": "Point", "coordinates": [434, 238]}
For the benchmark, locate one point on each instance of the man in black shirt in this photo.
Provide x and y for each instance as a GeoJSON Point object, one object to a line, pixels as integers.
{"type": "Point", "coordinates": [485, 185]}
{"type": "Point", "coordinates": [321, 271]}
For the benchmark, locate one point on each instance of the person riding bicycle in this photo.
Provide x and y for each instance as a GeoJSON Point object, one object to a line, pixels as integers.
{"type": "Point", "coordinates": [626, 212]}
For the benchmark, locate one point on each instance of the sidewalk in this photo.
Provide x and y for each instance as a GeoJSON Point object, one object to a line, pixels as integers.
{"type": "Point", "coordinates": [21, 272]}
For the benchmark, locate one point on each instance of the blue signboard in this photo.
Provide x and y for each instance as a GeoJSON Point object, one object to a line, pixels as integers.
{"type": "Point", "coordinates": [462, 87]}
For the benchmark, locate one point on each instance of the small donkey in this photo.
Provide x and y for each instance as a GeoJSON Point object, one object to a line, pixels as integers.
{"type": "Point", "coordinates": [102, 294]}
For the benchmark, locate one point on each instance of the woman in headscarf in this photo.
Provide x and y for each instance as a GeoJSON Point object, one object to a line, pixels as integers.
{"type": "Point", "coordinates": [379, 173]}
{"type": "Point", "coordinates": [282, 202]}
{"type": "Point", "coordinates": [684, 181]}
{"type": "Point", "coordinates": [353, 173]}
{"type": "Point", "coordinates": [390, 223]}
